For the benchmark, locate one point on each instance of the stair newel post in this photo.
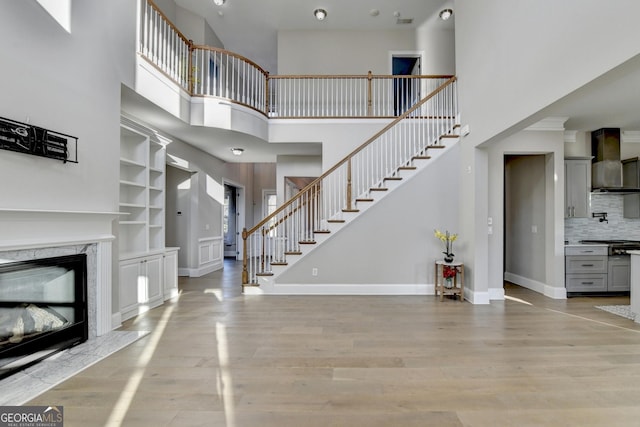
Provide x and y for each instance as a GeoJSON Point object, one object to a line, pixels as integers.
{"type": "Point", "coordinates": [349, 184]}
{"type": "Point", "coordinates": [369, 95]}
{"type": "Point", "coordinates": [245, 272]}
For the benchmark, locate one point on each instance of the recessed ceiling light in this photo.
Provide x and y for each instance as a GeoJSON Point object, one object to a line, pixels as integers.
{"type": "Point", "coordinates": [219, 2]}
{"type": "Point", "coordinates": [320, 14]}
{"type": "Point", "coordinates": [374, 12]}
{"type": "Point", "coordinates": [446, 14]}
{"type": "Point", "coordinates": [237, 151]}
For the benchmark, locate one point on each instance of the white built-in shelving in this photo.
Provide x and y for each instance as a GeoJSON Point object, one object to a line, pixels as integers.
{"type": "Point", "coordinates": [142, 192]}
{"type": "Point", "coordinates": [141, 231]}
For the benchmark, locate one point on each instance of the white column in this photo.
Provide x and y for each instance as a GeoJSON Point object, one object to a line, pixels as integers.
{"type": "Point", "coordinates": [635, 284]}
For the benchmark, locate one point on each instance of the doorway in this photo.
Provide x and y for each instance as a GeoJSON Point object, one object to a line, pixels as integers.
{"type": "Point", "coordinates": [178, 214]}
{"type": "Point", "coordinates": [525, 219]}
{"type": "Point", "coordinates": [233, 220]}
{"type": "Point", "coordinates": [406, 91]}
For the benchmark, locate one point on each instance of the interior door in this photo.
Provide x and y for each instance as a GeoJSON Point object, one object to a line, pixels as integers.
{"type": "Point", "coordinates": [406, 91]}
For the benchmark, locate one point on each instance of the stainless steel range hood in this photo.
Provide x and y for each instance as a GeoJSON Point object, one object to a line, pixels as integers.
{"type": "Point", "coordinates": [606, 171]}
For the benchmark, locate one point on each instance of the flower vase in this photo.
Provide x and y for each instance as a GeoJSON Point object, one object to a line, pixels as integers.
{"type": "Point", "coordinates": [448, 283]}
{"type": "Point", "coordinates": [448, 258]}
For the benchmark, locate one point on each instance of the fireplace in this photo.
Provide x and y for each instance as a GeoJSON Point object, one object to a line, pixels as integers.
{"type": "Point", "coordinates": [43, 309]}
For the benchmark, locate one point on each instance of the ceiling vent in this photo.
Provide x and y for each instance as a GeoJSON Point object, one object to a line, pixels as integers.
{"type": "Point", "coordinates": [403, 21]}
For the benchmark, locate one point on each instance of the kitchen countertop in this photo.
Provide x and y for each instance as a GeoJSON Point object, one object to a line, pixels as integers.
{"type": "Point", "coordinates": [566, 245]}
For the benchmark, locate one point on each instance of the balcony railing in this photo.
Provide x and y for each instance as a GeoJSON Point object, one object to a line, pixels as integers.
{"type": "Point", "coordinates": [209, 71]}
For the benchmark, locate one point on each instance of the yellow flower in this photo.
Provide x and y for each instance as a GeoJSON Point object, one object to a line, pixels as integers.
{"type": "Point", "coordinates": [445, 237]}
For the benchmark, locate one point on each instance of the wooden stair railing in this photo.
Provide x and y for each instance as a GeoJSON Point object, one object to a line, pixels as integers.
{"type": "Point", "coordinates": [350, 181]}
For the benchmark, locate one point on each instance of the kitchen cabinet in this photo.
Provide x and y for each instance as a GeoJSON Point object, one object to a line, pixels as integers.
{"type": "Point", "coordinates": [586, 268]}
{"type": "Point", "coordinates": [590, 269]}
{"type": "Point", "coordinates": [619, 273]}
{"type": "Point", "coordinates": [631, 179]}
{"type": "Point", "coordinates": [577, 186]}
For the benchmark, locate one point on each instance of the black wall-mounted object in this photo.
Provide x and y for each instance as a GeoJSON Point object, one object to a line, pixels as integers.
{"type": "Point", "coordinates": [29, 139]}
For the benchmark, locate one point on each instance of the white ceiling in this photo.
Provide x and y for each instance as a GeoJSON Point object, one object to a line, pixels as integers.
{"type": "Point", "coordinates": [249, 27]}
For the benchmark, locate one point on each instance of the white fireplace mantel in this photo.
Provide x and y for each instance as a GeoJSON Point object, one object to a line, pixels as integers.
{"type": "Point", "coordinates": [31, 228]}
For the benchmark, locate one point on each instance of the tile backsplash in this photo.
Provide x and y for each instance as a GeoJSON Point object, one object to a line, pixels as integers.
{"type": "Point", "coordinates": [576, 229]}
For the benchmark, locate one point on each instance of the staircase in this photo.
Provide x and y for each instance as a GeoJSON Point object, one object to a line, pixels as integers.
{"type": "Point", "coordinates": [392, 156]}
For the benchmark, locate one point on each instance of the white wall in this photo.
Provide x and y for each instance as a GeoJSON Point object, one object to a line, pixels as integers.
{"type": "Point", "coordinates": [340, 52]}
{"type": "Point", "coordinates": [306, 166]}
{"type": "Point", "coordinates": [338, 137]}
{"type": "Point", "coordinates": [438, 48]}
{"type": "Point", "coordinates": [392, 243]}
{"type": "Point", "coordinates": [549, 241]}
{"type": "Point", "coordinates": [195, 28]}
{"type": "Point", "coordinates": [265, 178]}
{"type": "Point", "coordinates": [206, 198]}
{"type": "Point", "coordinates": [69, 83]}
{"type": "Point", "coordinates": [509, 69]}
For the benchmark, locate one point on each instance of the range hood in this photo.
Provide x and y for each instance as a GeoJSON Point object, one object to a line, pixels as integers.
{"type": "Point", "coordinates": [607, 169]}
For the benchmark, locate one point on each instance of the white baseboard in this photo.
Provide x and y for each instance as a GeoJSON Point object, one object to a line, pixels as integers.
{"type": "Point", "coordinates": [202, 270]}
{"type": "Point", "coordinates": [525, 282]}
{"type": "Point", "coordinates": [340, 289]}
{"type": "Point", "coordinates": [542, 288]}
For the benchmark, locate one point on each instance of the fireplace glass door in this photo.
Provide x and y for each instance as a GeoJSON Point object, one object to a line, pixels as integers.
{"type": "Point", "coordinates": [43, 309]}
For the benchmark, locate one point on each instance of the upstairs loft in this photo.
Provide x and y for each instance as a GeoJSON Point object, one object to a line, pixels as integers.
{"type": "Point", "coordinates": [207, 86]}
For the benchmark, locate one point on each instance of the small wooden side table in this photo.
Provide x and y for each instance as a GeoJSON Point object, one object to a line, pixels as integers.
{"type": "Point", "coordinates": [458, 286]}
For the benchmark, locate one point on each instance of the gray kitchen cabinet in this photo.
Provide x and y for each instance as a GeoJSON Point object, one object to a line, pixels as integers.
{"type": "Point", "coordinates": [631, 179]}
{"type": "Point", "coordinates": [586, 268]}
{"type": "Point", "coordinates": [618, 276]}
{"type": "Point", "coordinates": [577, 186]}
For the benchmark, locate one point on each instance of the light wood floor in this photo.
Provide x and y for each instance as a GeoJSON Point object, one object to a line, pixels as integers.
{"type": "Point", "coordinates": [216, 358]}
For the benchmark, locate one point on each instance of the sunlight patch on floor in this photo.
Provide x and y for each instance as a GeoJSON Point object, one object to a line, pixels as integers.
{"type": "Point", "coordinates": [225, 380]}
{"type": "Point", "coordinates": [128, 393]}
{"type": "Point", "coordinates": [521, 301]}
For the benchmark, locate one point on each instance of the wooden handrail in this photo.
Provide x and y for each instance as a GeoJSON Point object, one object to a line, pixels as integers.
{"type": "Point", "coordinates": [350, 155]}
{"type": "Point", "coordinates": [229, 53]}
{"type": "Point", "coordinates": [360, 76]}
{"type": "Point", "coordinates": [173, 27]}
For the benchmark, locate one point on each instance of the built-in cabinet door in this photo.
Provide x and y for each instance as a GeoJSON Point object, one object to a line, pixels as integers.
{"type": "Point", "coordinates": [129, 277]}
{"type": "Point", "coordinates": [154, 273]}
{"type": "Point", "coordinates": [577, 188]}
{"type": "Point", "coordinates": [619, 274]}
{"type": "Point", "coordinates": [170, 274]}
{"type": "Point", "coordinates": [141, 285]}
